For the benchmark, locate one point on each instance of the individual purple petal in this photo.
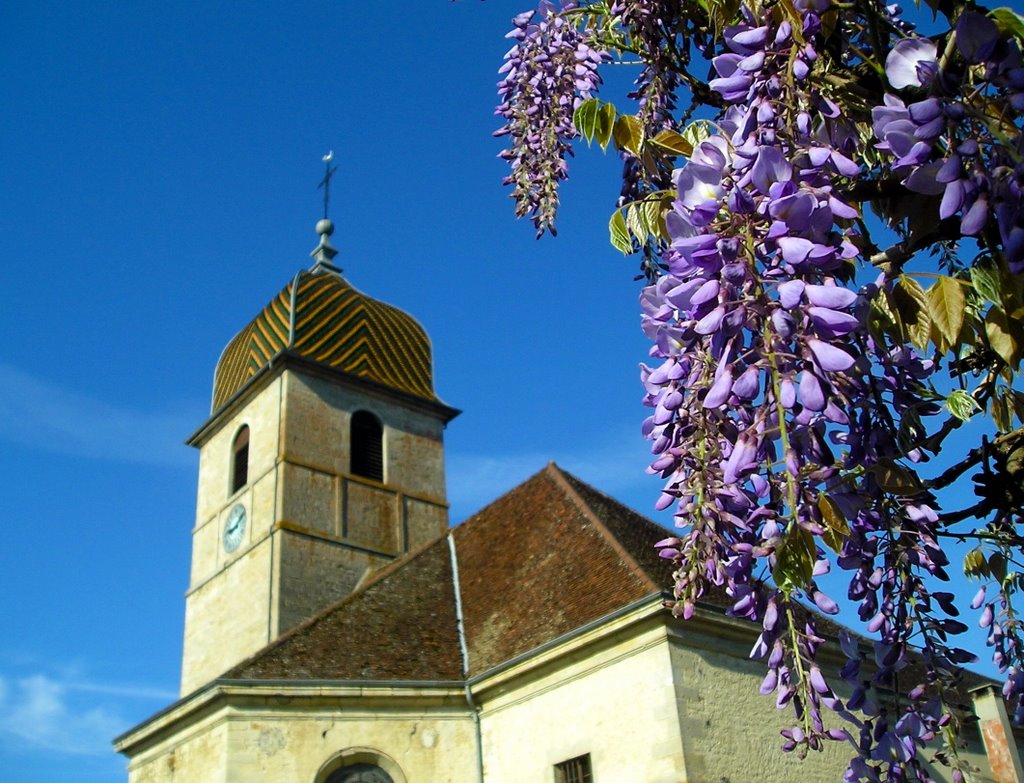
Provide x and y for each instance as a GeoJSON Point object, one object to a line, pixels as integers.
{"type": "Point", "coordinates": [831, 296]}
{"type": "Point", "coordinates": [975, 218]}
{"type": "Point", "coordinates": [719, 391]}
{"type": "Point", "coordinates": [925, 111]}
{"type": "Point", "coordinates": [952, 199]}
{"type": "Point", "coordinates": [795, 249]}
{"type": "Point", "coordinates": [876, 622]}
{"type": "Point", "coordinates": [986, 617]}
{"type": "Point", "coordinates": [835, 414]}
{"type": "Point", "coordinates": [783, 323]}
{"type": "Point", "coordinates": [707, 292]}
{"type": "Point", "coordinates": [930, 130]}
{"type": "Point", "coordinates": [819, 155]}
{"type": "Point", "coordinates": [673, 400]}
{"type": "Point", "coordinates": [794, 210]}
{"type": "Point", "coordinates": [771, 616]}
{"type": "Point", "coordinates": [787, 393]}
{"type": "Point", "coordinates": [844, 165]}
{"type": "Point", "coordinates": [969, 147]}
{"type": "Point", "coordinates": [751, 63]}
{"type": "Point", "coordinates": [664, 501]}
{"type": "Point", "coordinates": [710, 322]}
{"type": "Point", "coordinates": [829, 357]}
{"type": "Point", "coordinates": [770, 166]}
{"type": "Point", "coordinates": [744, 39]}
{"type": "Point", "coordinates": [742, 459]}
{"type": "Point", "coordinates": [811, 393]}
{"type": "Point", "coordinates": [761, 487]}
{"type": "Point", "coordinates": [976, 36]}
{"type": "Point", "coordinates": [824, 603]}
{"type": "Point", "coordinates": [949, 170]}
{"type": "Point", "coordinates": [841, 209]}
{"type": "Point", "coordinates": [790, 293]}
{"type": "Point", "coordinates": [747, 384]}
{"type": "Point", "coordinates": [680, 296]}
{"type": "Point", "coordinates": [835, 321]}
{"type": "Point", "coordinates": [768, 685]}
{"type": "Point", "coordinates": [923, 179]}
{"type": "Point", "coordinates": [726, 64]}
{"type": "Point", "coordinates": [979, 598]}
{"type": "Point", "coordinates": [818, 683]}
{"type": "Point", "coordinates": [903, 63]}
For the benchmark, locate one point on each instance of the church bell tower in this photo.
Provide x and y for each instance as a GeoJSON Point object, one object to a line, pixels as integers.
{"type": "Point", "coordinates": [322, 461]}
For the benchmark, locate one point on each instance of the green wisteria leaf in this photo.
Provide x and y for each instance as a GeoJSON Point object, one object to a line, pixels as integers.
{"type": "Point", "coordinates": [585, 119]}
{"type": "Point", "coordinates": [1009, 21]}
{"type": "Point", "coordinates": [605, 123]}
{"type": "Point", "coordinates": [946, 307]}
{"type": "Point", "coordinates": [912, 304]}
{"type": "Point", "coordinates": [837, 530]}
{"type": "Point", "coordinates": [619, 234]}
{"type": "Point", "coordinates": [673, 142]}
{"type": "Point", "coordinates": [962, 405]}
{"type": "Point", "coordinates": [985, 278]}
{"type": "Point", "coordinates": [628, 133]}
{"type": "Point", "coordinates": [794, 560]}
{"type": "Point", "coordinates": [1002, 336]}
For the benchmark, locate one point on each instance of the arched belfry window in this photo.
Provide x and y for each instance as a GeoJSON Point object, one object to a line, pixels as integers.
{"type": "Point", "coordinates": [367, 455]}
{"type": "Point", "coordinates": [360, 773]}
{"type": "Point", "coordinates": [240, 460]}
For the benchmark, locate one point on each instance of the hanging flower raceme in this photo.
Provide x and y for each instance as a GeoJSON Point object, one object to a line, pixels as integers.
{"type": "Point", "coordinates": [765, 365]}
{"type": "Point", "coordinates": [961, 137]}
{"type": "Point", "coordinates": [790, 399]}
{"type": "Point", "coordinates": [549, 71]}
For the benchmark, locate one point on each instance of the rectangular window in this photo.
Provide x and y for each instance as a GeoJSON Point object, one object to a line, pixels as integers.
{"type": "Point", "coordinates": [575, 770]}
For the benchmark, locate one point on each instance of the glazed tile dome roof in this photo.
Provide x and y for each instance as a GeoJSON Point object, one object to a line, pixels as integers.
{"type": "Point", "coordinates": [319, 316]}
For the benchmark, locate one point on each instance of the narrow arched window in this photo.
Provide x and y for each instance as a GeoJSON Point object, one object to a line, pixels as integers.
{"type": "Point", "coordinates": [240, 460]}
{"type": "Point", "coordinates": [367, 458]}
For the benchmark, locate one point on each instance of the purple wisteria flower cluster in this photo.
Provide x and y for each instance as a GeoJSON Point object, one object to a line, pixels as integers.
{"type": "Point", "coordinates": [766, 367]}
{"type": "Point", "coordinates": [795, 365]}
{"type": "Point", "coordinates": [549, 71]}
{"type": "Point", "coordinates": [653, 24]}
{"type": "Point", "coordinates": [962, 135]}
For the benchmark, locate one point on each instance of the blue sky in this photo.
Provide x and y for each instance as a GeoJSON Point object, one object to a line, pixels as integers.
{"type": "Point", "coordinates": [159, 187]}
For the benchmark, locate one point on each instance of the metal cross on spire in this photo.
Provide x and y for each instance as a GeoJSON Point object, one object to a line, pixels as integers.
{"type": "Point", "coordinates": [325, 183]}
{"type": "Point", "coordinates": [324, 252]}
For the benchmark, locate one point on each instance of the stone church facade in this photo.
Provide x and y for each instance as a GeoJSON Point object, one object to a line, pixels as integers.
{"type": "Point", "coordinates": [338, 631]}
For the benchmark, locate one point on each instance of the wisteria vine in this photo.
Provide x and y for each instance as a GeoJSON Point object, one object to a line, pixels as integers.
{"type": "Point", "coordinates": [794, 395]}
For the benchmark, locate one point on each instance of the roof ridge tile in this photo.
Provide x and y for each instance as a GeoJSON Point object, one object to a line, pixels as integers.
{"type": "Point", "coordinates": [559, 476]}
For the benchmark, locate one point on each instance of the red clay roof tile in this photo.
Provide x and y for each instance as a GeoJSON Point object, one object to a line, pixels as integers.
{"type": "Point", "coordinates": [548, 557]}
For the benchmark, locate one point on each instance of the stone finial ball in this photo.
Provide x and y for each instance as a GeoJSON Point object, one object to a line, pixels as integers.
{"type": "Point", "coordinates": [324, 227]}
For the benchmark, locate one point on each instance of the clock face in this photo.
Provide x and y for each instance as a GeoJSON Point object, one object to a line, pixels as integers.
{"type": "Point", "coordinates": [234, 528]}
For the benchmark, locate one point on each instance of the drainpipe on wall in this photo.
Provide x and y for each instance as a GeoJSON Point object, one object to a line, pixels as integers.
{"type": "Point", "coordinates": [1000, 747]}
{"type": "Point", "coordinates": [464, 649]}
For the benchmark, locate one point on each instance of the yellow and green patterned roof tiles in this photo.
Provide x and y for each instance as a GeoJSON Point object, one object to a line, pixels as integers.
{"type": "Point", "coordinates": [321, 317]}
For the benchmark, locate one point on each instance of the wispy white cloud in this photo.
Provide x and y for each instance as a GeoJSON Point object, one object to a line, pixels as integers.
{"type": "Point", "coordinates": [42, 415]}
{"type": "Point", "coordinates": [126, 691]}
{"type": "Point", "coordinates": [35, 711]}
{"type": "Point", "coordinates": [615, 466]}
{"type": "Point", "coordinates": [74, 716]}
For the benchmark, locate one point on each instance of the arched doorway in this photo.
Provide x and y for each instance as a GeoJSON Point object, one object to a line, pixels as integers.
{"type": "Point", "coordinates": [360, 773]}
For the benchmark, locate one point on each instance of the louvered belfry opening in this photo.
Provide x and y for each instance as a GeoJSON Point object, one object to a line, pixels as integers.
{"type": "Point", "coordinates": [367, 446]}
{"type": "Point", "coordinates": [240, 460]}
